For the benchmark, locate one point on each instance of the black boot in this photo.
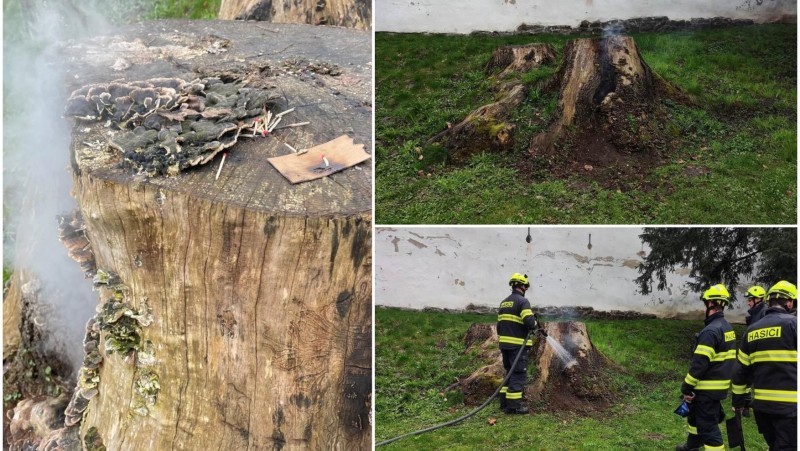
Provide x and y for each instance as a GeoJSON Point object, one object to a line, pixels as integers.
{"type": "Point", "coordinates": [516, 411]}
{"type": "Point", "coordinates": [685, 447]}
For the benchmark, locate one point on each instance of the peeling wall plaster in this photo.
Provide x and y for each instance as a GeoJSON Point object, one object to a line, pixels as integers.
{"type": "Point", "coordinates": [450, 16]}
{"type": "Point", "coordinates": [451, 267]}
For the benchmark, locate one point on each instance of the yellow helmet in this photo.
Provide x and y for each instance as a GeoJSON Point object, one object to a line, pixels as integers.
{"type": "Point", "coordinates": [519, 279]}
{"type": "Point", "coordinates": [783, 289]}
{"type": "Point", "coordinates": [756, 292]}
{"type": "Point", "coordinates": [717, 293]}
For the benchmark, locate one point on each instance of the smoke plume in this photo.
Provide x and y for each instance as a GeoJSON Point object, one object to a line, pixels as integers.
{"type": "Point", "coordinates": [36, 142]}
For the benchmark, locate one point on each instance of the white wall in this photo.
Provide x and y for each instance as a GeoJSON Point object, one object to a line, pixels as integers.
{"type": "Point", "coordinates": [465, 16]}
{"type": "Point", "coordinates": [451, 267]}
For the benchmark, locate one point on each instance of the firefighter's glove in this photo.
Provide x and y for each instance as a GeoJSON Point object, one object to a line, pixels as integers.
{"type": "Point", "coordinates": [686, 389]}
{"type": "Point", "coordinates": [739, 401]}
{"type": "Point", "coordinates": [541, 331]}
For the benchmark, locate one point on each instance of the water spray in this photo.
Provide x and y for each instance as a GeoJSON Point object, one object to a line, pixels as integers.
{"type": "Point", "coordinates": [562, 354]}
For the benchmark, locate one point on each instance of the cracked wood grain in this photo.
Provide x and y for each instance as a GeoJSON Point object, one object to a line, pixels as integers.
{"type": "Point", "coordinates": [260, 294]}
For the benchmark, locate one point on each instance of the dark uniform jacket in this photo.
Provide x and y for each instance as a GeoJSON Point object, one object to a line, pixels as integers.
{"type": "Point", "coordinates": [712, 360]}
{"type": "Point", "coordinates": [756, 313]}
{"type": "Point", "coordinates": [514, 319]}
{"type": "Point", "coordinates": [768, 360]}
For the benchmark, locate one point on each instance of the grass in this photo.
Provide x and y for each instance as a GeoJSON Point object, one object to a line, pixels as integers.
{"type": "Point", "coordinates": [418, 354]}
{"type": "Point", "coordinates": [742, 135]}
{"type": "Point", "coordinates": [184, 9]}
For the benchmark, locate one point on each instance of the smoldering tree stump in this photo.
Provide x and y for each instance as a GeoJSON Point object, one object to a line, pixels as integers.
{"type": "Point", "coordinates": [581, 386]}
{"type": "Point", "coordinates": [488, 128]}
{"type": "Point", "coordinates": [259, 291]}
{"type": "Point", "coordinates": [346, 13]}
{"type": "Point", "coordinates": [608, 90]}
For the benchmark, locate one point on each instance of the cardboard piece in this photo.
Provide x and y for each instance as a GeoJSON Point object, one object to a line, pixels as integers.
{"type": "Point", "coordinates": [341, 153]}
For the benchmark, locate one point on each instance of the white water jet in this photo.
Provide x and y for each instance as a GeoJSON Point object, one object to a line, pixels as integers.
{"type": "Point", "coordinates": [562, 354]}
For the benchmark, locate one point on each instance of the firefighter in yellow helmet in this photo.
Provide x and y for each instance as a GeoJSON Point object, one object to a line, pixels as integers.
{"type": "Point", "coordinates": [514, 319]}
{"type": "Point", "coordinates": [755, 304]}
{"type": "Point", "coordinates": [709, 377]}
{"type": "Point", "coordinates": [767, 361]}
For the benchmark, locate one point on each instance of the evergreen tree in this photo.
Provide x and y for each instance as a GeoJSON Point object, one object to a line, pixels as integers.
{"type": "Point", "coordinates": [719, 255]}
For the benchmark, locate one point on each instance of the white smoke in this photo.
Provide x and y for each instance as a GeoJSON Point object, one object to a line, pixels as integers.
{"type": "Point", "coordinates": [613, 29]}
{"type": "Point", "coordinates": [36, 172]}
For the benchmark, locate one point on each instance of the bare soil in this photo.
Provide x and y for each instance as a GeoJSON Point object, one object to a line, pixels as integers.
{"type": "Point", "coordinates": [592, 157]}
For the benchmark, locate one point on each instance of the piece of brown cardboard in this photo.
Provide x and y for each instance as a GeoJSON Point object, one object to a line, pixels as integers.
{"type": "Point", "coordinates": [341, 153]}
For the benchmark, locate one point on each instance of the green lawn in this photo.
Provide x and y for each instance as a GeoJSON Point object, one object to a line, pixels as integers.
{"type": "Point", "coordinates": [735, 160]}
{"type": "Point", "coordinates": [418, 354]}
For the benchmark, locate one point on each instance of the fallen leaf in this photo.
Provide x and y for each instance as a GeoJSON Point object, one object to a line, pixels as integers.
{"type": "Point", "coordinates": [681, 162]}
{"type": "Point", "coordinates": [588, 167]}
{"type": "Point", "coordinates": [420, 157]}
{"type": "Point", "coordinates": [492, 421]}
{"type": "Point", "coordinates": [449, 124]}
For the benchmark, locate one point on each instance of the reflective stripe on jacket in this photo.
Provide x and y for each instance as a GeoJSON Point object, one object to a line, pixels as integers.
{"type": "Point", "coordinates": [712, 360]}
{"type": "Point", "coordinates": [767, 360]}
{"type": "Point", "coordinates": [514, 319]}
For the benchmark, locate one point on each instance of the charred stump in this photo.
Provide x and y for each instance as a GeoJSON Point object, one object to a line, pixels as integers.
{"type": "Point", "coordinates": [235, 310]}
{"type": "Point", "coordinates": [576, 384]}
{"type": "Point", "coordinates": [607, 90]}
{"type": "Point", "coordinates": [489, 127]}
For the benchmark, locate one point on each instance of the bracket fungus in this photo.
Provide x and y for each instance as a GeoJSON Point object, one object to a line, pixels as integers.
{"type": "Point", "coordinates": [167, 125]}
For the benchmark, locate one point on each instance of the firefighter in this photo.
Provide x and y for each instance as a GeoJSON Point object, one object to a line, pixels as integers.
{"type": "Point", "coordinates": [755, 304]}
{"type": "Point", "coordinates": [708, 380]}
{"type": "Point", "coordinates": [767, 361]}
{"type": "Point", "coordinates": [514, 320]}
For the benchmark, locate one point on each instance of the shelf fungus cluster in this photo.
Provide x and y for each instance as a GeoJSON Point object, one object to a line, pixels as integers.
{"type": "Point", "coordinates": [118, 327]}
{"type": "Point", "coordinates": [72, 234]}
{"type": "Point", "coordinates": [88, 376]}
{"type": "Point", "coordinates": [167, 125]}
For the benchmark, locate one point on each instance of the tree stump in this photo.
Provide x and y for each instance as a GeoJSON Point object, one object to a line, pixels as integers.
{"type": "Point", "coordinates": [235, 312]}
{"type": "Point", "coordinates": [345, 13]}
{"type": "Point", "coordinates": [607, 89]}
{"type": "Point", "coordinates": [578, 384]}
{"type": "Point", "coordinates": [489, 127]}
{"type": "Point", "coordinates": [519, 58]}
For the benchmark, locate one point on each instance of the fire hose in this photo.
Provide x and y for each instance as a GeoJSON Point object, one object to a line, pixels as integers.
{"type": "Point", "coordinates": [477, 409]}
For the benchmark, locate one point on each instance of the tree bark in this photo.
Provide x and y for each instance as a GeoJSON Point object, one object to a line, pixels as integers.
{"type": "Point", "coordinates": [346, 13]}
{"type": "Point", "coordinates": [252, 296]}
{"type": "Point", "coordinates": [606, 88]}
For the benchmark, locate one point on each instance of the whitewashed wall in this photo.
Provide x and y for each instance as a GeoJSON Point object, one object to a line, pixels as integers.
{"type": "Point", "coordinates": [451, 267]}
{"type": "Point", "coordinates": [465, 16]}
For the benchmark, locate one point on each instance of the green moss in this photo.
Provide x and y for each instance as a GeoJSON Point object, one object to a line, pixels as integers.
{"type": "Point", "coordinates": [92, 440]}
{"type": "Point", "coordinates": [146, 388]}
